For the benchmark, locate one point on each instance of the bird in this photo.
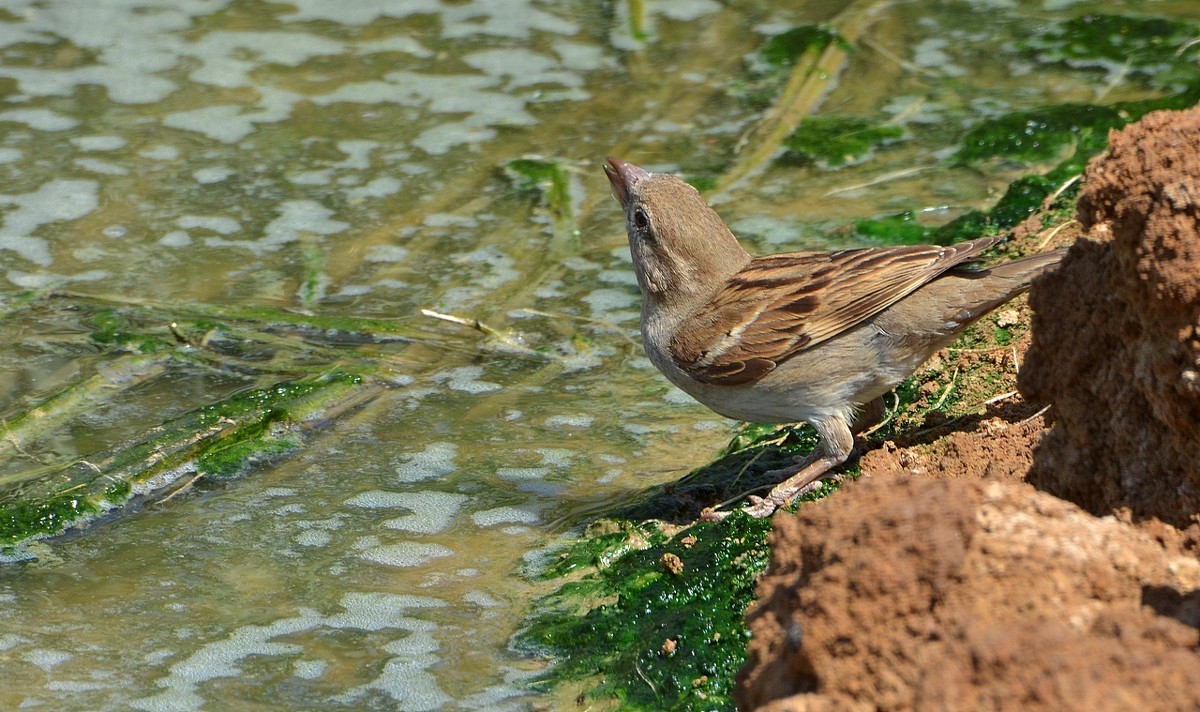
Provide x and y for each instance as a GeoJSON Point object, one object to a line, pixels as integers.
{"type": "Point", "coordinates": [813, 336]}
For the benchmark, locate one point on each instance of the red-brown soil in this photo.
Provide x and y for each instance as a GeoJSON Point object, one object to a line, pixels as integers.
{"type": "Point", "coordinates": [1117, 332]}
{"type": "Point", "coordinates": [970, 595]}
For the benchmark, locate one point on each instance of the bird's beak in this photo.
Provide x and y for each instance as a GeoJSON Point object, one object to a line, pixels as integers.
{"type": "Point", "coordinates": [623, 176]}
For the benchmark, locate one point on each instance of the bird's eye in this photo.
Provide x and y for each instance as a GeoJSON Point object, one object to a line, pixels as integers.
{"type": "Point", "coordinates": [640, 220]}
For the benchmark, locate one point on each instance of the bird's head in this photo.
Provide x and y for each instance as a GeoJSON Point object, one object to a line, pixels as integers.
{"type": "Point", "coordinates": [681, 248]}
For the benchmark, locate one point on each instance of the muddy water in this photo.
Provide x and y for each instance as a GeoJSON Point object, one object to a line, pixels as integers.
{"type": "Point", "coordinates": [345, 158]}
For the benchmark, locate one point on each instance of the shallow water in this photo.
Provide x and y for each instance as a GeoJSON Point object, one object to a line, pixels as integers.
{"type": "Point", "coordinates": [345, 158]}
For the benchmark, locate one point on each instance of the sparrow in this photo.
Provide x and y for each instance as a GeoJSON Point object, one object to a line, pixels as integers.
{"type": "Point", "coordinates": [798, 336]}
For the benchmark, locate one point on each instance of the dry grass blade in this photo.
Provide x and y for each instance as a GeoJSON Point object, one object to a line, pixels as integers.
{"type": "Point", "coordinates": [1054, 233]}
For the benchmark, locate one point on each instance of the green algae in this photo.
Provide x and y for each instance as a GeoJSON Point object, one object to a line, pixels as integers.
{"type": "Point", "coordinates": [1024, 197]}
{"type": "Point", "coordinates": [1035, 135]}
{"type": "Point", "coordinates": [664, 638]}
{"type": "Point", "coordinates": [899, 229]}
{"type": "Point", "coordinates": [835, 141]}
{"type": "Point", "coordinates": [135, 346]}
{"type": "Point", "coordinates": [548, 180]}
{"type": "Point", "coordinates": [789, 96]}
{"type": "Point", "coordinates": [219, 440]}
{"type": "Point", "coordinates": [1135, 43]}
{"type": "Point", "coordinates": [1150, 46]}
{"type": "Point", "coordinates": [786, 48]}
{"type": "Point", "coordinates": [1041, 134]}
{"type": "Point", "coordinates": [1078, 130]}
{"type": "Point", "coordinates": [770, 66]}
{"type": "Point", "coordinates": [235, 458]}
{"type": "Point", "coordinates": [550, 184]}
{"type": "Point", "coordinates": [110, 328]}
{"type": "Point", "coordinates": [117, 492]}
{"type": "Point", "coordinates": [312, 287]}
{"type": "Point", "coordinates": [20, 521]}
{"type": "Point", "coordinates": [702, 183]}
{"type": "Point", "coordinates": [1063, 135]}
{"type": "Point", "coordinates": [651, 614]}
{"type": "Point", "coordinates": [747, 436]}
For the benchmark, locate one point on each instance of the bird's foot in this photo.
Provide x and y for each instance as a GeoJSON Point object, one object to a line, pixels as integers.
{"type": "Point", "coordinates": [779, 497]}
{"type": "Point", "coordinates": [802, 478]}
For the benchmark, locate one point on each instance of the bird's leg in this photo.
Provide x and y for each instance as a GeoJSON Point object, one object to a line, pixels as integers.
{"type": "Point", "coordinates": [833, 449]}
{"type": "Point", "coordinates": [835, 438]}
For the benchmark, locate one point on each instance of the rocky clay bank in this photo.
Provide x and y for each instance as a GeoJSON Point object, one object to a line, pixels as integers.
{"type": "Point", "coordinates": [1068, 580]}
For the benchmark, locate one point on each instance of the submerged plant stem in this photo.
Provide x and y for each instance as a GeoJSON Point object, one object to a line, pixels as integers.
{"type": "Point", "coordinates": [812, 76]}
{"type": "Point", "coordinates": [219, 440]}
{"type": "Point", "coordinates": [70, 402]}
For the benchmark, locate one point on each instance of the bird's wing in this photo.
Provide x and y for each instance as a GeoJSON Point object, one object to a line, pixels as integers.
{"type": "Point", "coordinates": [779, 305]}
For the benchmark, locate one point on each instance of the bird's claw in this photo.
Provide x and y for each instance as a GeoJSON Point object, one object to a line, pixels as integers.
{"type": "Point", "coordinates": [708, 514]}
{"type": "Point", "coordinates": [759, 507]}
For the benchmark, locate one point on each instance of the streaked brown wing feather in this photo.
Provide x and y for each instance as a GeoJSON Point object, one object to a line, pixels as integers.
{"type": "Point", "coordinates": [779, 305]}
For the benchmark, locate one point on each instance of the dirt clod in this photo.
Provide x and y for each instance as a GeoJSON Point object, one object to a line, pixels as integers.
{"type": "Point", "coordinates": [970, 595]}
{"type": "Point", "coordinates": [1116, 344]}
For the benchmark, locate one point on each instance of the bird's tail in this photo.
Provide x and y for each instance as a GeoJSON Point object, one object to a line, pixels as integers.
{"type": "Point", "coordinates": [1003, 282]}
{"type": "Point", "coordinates": [1023, 270]}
